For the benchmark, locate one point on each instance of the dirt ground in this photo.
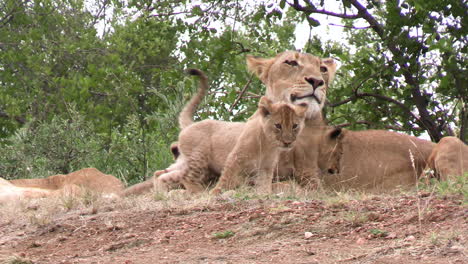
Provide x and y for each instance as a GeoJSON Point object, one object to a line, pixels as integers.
{"type": "Point", "coordinates": [404, 228]}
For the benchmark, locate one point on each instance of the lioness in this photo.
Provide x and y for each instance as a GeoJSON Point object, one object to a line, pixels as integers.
{"type": "Point", "coordinates": [89, 178]}
{"type": "Point", "coordinates": [375, 160]}
{"type": "Point", "coordinates": [448, 158]}
{"type": "Point", "coordinates": [273, 128]}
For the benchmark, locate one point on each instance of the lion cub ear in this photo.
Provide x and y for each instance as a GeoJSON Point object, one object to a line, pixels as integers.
{"type": "Point", "coordinates": [336, 133]}
{"type": "Point", "coordinates": [259, 66]}
{"type": "Point", "coordinates": [265, 106]}
{"type": "Point", "coordinates": [301, 109]}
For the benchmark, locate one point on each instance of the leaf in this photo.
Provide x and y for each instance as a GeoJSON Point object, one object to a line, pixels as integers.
{"type": "Point", "coordinates": [313, 22]}
{"type": "Point", "coordinates": [282, 4]}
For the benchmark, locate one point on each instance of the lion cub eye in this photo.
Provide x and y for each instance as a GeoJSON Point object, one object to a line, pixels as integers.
{"type": "Point", "coordinates": [291, 63]}
{"type": "Point", "coordinates": [294, 126]}
{"type": "Point", "coordinates": [323, 69]}
{"type": "Point", "coordinates": [278, 126]}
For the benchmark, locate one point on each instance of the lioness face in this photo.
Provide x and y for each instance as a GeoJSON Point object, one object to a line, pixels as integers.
{"type": "Point", "coordinates": [282, 122]}
{"type": "Point", "coordinates": [296, 78]}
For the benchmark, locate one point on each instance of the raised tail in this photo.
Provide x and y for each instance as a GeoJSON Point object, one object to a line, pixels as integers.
{"type": "Point", "coordinates": [186, 115]}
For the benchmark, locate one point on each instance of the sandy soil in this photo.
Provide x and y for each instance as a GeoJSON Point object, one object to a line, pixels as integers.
{"type": "Point", "coordinates": [402, 228]}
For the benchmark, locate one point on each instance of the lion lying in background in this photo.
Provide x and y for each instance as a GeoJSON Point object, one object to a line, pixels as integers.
{"type": "Point", "coordinates": [85, 179]}
{"type": "Point", "coordinates": [9, 192]}
{"type": "Point", "coordinates": [375, 160]}
{"type": "Point", "coordinates": [448, 158]}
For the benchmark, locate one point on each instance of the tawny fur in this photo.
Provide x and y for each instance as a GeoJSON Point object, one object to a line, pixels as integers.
{"type": "Point", "coordinates": [372, 160]}
{"type": "Point", "coordinates": [292, 72]}
{"type": "Point", "coordinates": [272, 129]}
{"type": "Point", "coordinates": [9, 192]}
{"type": "Point", "coordinates": [89, 178]}
{"type": "Point", "coordinates": [186, 115]}
{"type": "Point", "coordinates": [448, 158]}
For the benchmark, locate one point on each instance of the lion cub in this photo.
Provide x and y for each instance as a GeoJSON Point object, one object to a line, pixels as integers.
{"type": "Point", "coordinates": [272, 129]}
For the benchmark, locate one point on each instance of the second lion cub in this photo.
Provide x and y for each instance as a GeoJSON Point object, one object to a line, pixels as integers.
{"type": "Point", "coordinates": [272, 129]}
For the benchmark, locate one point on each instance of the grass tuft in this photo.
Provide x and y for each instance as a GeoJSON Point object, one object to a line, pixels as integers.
{"type": "Point", "coordinates": [16, 260]}
{"type": "Point", "coordinates": [224, 234]}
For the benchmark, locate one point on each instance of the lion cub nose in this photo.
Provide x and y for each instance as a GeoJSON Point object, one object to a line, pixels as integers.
{"type": "Point", "coordinates": [314, 82]}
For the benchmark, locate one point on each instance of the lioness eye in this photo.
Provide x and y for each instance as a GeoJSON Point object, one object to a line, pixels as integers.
{"type": "Point", "coordinates": [294, 126]}
{"type": "Point", "coordinates": [323, 69]}
{"type": "Point", "coordinates": [278, 126]}
{"type": "Point", "coordinates": [291, 62]}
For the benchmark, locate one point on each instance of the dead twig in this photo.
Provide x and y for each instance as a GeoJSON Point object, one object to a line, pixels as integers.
{"type": "Point", "coordinates": [241, 93]}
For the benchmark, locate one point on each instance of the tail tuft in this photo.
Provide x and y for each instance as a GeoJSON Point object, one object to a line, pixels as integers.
{"type": "Point", "coordinates": [195, 72]}
{"type": "Point", "coordinates": [186, 115]}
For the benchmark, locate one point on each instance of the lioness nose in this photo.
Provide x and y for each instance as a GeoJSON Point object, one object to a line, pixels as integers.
{"type": "Point", "coordinates": [314, 82]}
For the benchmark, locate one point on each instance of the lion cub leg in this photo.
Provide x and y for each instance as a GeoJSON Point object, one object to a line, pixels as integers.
{"type": "Point", "coordinates": [264, 180]}
{"type": "Point", "coordinates": [308, 178]}
{"type": "Point", "coordinates": [168, 181]}
{"type": "Point", "coordinates": [231, 176]}
{"type": "Point", "coordinates": [197, 172]}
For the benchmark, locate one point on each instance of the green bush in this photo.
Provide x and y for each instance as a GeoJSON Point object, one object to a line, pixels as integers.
{"type": "Point", "coordinates": [46, 148]}
{"type": "Point", "coordinates": [131, 152]}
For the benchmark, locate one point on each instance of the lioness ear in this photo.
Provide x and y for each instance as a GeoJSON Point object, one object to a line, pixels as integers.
{"type": "Point", "coordinates": [259, 66]}
{"type": "Point", "coordinates": [336, 133]}
{"type": "Point", "coordinates": [265, 106]}
{"type": "Point", "coordinates": [331, 68]}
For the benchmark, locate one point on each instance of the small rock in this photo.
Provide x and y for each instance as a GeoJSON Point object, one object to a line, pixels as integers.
{"type": "Point", "coordinates": [361, 241]}
{"type": "Point", "coordinates": [410, 238]}
{"type": "Point", "coordinates": [228, 194]}
{"type": "Point", "coordinates": [35, 244]}
{"type": "Point", "coordinates": [308, 235]}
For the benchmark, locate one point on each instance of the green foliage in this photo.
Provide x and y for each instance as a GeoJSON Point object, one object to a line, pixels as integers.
{"type": "Point", "coordinates": [46, 148]}
{"type": "Point", "coordinates": [224, 234]}
{"type": "Point", "coordinates": [378, 233]}
{"type": "Point", "coordinates": [66, 145]}
{"type": "Point", "coordinates": [454, 185]}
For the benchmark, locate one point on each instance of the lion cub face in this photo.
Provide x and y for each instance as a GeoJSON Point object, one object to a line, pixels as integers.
{"type": "Point", "coordinates": [281, 122]}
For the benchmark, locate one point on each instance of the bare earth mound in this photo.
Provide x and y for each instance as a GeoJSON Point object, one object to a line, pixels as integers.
{"type": "Point", "coordinates": [238, 229]}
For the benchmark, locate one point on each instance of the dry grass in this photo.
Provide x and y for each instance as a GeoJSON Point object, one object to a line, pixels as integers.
{"type": "Point", "coordinates": [14, 260]}
{"type": "Point", "coordinates": [42, 211]}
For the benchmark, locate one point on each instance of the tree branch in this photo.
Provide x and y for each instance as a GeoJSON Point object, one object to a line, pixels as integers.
{"type": "Point", "coordinates": [358, 95]}
{"type": "Point", "coordinates": [371, 124]}
{"type": "Point", "coordinates": [312, 9]}
{"type": "Point", "coordinates": [425, 119]}
{"type": "Point", "coordinates": [344, 26]}
{"type": "Point", "coordinates": [241, 94]}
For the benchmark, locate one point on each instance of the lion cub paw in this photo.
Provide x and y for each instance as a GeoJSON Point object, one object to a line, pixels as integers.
{"type": "Point", "coordinates": [160, 172]}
